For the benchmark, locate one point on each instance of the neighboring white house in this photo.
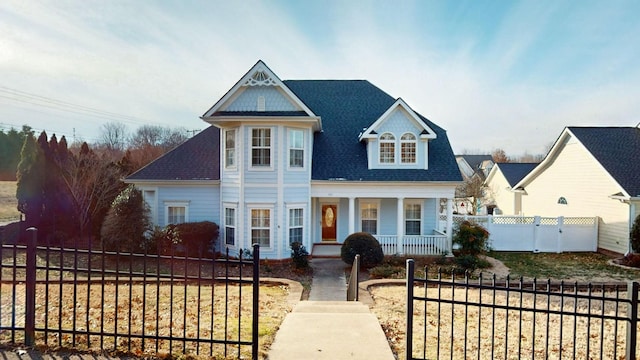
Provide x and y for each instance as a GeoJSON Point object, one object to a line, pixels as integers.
{"type": "Point", "coordinates": [589, 171]}
{"type": "Point", "coordinates": [500, 187]}
{"type": "Point", "coordinates": [309, 161]}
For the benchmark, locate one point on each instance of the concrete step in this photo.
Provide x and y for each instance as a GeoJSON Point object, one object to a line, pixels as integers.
{"type": "Point", "coordinates": [331, 307]}
{"type": "Point", "coordinates": [326, 250]}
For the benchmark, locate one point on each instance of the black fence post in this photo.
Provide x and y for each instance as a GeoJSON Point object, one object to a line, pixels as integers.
{"type": "Point", "coordinates": [256, 300]}
{"type": "Point", "coordinates": [632, 326]}
{"type": "Point", "coordinates": [30, 288]}
{"type": "Point", "coordinates": [409, 330]}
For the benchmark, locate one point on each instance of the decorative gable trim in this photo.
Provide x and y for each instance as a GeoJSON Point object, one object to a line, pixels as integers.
{"type": "Point", "coordinates": [258, 75]}
{"type": "Point", "coordinates": [370, 132]}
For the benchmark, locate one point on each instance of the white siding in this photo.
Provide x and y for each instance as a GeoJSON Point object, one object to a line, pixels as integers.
{"type": "Point", "coordinates": [501, 193]}
{"type": "Point", "coordinates": [576, 176]}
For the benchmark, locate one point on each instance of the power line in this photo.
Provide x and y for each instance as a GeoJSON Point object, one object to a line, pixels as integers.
{"type": "Point", "coordinates": [61, 105]}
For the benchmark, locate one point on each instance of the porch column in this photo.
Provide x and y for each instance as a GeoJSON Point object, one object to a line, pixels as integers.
{"type": "Point", "coordinates": [450, 227]}
{"type": "Point", "coordinates": [400, 227]}
{"type": "Point", "coordinates": [352, 215]}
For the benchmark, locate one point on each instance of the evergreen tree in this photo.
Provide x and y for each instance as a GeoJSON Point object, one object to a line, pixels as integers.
{"type": "Point", "coordinates": [31, 181]}
{"type": "Point", "coordinates": [126, 222]}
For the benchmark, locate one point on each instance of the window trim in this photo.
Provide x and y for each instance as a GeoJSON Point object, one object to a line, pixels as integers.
{"type": "Point", "coordinates": [420, 219]}
{"type": "Point", "coordinates": [376, 204]}
{"type": "Point", "coordinates": [235, 149]}
{"type": "Point", "coordinates": [290, 226]}
{"type": "Point", "coordinates": [270, 227]}
{"type": "Point", "coordinates": [270, 147]}
{"type": "Point", "coordinates": [382, 141]}
{"type": "Point", "coordinates": [290, 147]}
{"type": "Point", "coordinates": [413, 142]}
{"type": "Point", "coordinates": [234, 226]}
{"type": "Point", "coordinates": [174, 203]}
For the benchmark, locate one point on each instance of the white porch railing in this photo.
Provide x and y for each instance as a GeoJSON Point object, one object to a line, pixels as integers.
{"type": "Point", "coordinates": [413, 244]}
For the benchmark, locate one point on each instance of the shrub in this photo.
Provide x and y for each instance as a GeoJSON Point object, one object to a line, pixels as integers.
{"type": "Point", "coordinates": [366, 246]}
{"type": "Point", "coordinates": [126, 222]}
{"type": "Point", "coordinates": [472, 239]}
{"type": "Point", "coordinates": [299, 256]}
{"type": "Point", "coordinates": [387, 271]}
{"type": "Point", "coordinates": [193, 239]}
{"type": "Point", "coordinates": [634, 237]}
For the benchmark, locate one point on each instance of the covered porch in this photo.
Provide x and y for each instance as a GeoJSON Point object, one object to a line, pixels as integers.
{"type": "Point", "coordinates": [403, 217]}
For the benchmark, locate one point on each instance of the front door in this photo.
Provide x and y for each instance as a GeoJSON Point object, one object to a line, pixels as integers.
{"type": "Point", "coordinates": [329, 222]}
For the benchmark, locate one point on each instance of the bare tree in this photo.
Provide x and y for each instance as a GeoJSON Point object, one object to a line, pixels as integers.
{"type": "Point", "coordinates": [475, 192]}
{"type": "Point", "coordinates": [154, 135]}
{"type": "Point", "coordinates": [113, 137]}
{"type": "Point", "coordinates": [499, 156]}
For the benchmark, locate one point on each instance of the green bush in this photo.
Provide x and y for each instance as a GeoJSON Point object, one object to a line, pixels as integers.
{"type": "Point", "coordinates": [472, 239]}
{"type": "Point", "coordinates": [194, 239]}
{"type": "Point", "coordinates": [126, 222]}
{"type": "Point", "coordinates": [366, 246]}
{"type": "Point", "coordinates": [635, 236]}
{"type": "Point", "coordinates": [299, 256]}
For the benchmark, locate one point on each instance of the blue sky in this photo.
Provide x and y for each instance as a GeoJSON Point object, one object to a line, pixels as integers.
{"type": "Point", "coordinates": [494, 74]}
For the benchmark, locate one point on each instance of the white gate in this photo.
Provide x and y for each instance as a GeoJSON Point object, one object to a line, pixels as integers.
{"type": "Point", "coordinates": [537, 234]}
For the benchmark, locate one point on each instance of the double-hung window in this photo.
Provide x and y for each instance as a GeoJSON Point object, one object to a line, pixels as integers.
{"type": "Point", "coordinates": [261, 227]}
{"type": "Point", "coordinates": [176, 212]}
{"type": "Point", "coordinates": [369, 218]}
{"type": "Point", "coordinates": [408, 148]}
{"type": "Point", "coordinates": [412, 219]}
{"type": "Point", "coordinates": [387, 148]}
{"type": "Point", "coordinates": [261, 147]}
{"type": "Point", "coordinates": [230, 226]}
{"type": "Point", "coordinates": [230, 148]}
{"type": "Point", "coordinates": [295, 225]}
{"type": "Point", "coordinates": [296, 148]}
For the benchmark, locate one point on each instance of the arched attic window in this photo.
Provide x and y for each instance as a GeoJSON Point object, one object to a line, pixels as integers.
{"type": "Point", "coordinates": [408, 148]}
{"type": "Point", "coordinates": [387, 148]}
{"type": "Point", "coordinates": [562, 200]}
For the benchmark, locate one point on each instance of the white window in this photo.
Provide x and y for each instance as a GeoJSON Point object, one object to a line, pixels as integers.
{"type": "Point", "coordinates": [176, 212]}
{"type": "Point", "coordinates": [230, 148]}
{"type": "Point", "coordinates": [230, 226]}
{"type": "Point", "coordinates": [412, 219]}
{"type": "Point", "coordinates": [387, 148]}
{"type": "Point", "coordinates": [261, 227]}
{"type": "Point", "coordinates": [261, 147]}
{"type": "Point", "coordinates": [295, 225]}
{"type": "Point", "coordinates": [296, 148]}
{"type": "Point", "coordinates": [408, 149]}
{"type": "Point", "coordinates": [369, 218]}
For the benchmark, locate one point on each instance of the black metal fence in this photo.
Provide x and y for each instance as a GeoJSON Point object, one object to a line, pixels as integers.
{"type": "Point", "coordinates": [140, 304]}
{"type": "Point", "coordinates": [484, 318]}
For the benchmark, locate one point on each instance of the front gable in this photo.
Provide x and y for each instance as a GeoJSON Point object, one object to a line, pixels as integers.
{"type": "Point", "coordinates": [399, 128]}
{"type": "Point", "coordinates": [260, 96]}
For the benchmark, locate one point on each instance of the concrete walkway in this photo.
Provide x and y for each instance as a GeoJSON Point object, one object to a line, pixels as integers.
{"type": "Point", "coordinates": [327, 326]}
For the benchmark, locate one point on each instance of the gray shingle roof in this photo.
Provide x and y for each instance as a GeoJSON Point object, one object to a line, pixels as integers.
{"type": "Point", "coordinates": [617, 149]}
{"type": "Point", "coordinates": [346, 107]}
{"type": "Point", "coordinates": [196, 159]}
{"type": "Point", "coordinates": [514, 172]}
{"type": "Point", "coordinates": [476, 160]}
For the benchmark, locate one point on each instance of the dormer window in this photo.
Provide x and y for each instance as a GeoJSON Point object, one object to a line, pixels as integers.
{"type": "Point", "coordinates": [408, 148]}
{"type": "Point", "coordinates": [387, 148]}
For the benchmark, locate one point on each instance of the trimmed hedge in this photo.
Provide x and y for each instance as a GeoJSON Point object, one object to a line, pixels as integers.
{"type": "Point", "coordinates": [194, 239]}
{"type": "Point", "coordinates": [366, 246]}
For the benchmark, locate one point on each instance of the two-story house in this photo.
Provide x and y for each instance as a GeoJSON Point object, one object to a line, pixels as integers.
{"type": "Point", "coordinates": [309, 161]}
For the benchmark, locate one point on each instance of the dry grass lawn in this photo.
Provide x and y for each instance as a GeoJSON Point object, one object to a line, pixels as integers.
{"type": "Point", "coordinates": [491, 335]}
{"type": "Point", "coordinates": [192, 312]}
{"type": "Point", "coordinates": [8, 202]}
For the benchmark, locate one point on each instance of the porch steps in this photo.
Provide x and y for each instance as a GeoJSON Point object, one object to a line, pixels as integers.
{"type": "Point", "coordinates": [326, 250]}
{"type": "Point", "coordinates": [330, 330]}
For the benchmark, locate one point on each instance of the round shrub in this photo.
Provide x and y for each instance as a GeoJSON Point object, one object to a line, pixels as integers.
{"type": "Point", "coordinates": [472, 239]}
{"type": "Point", "coordinates": [635, 236]}
{"type": "Point", "coordinates": [366, 246]}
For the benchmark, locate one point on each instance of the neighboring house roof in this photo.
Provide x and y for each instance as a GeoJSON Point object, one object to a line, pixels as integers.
{"type": "Point", "coordinates": [514, 172]}
{"type": "Point", "coordinates": [196, 159]}
{"type": "Point", "coordinates": [347, 107]}
{"type": "Point", "coordinates": [471, 165]}
{"type": "Point", "coordinates": [475, 161]}
{"type": "Point", "coordinates": [617, 149]}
